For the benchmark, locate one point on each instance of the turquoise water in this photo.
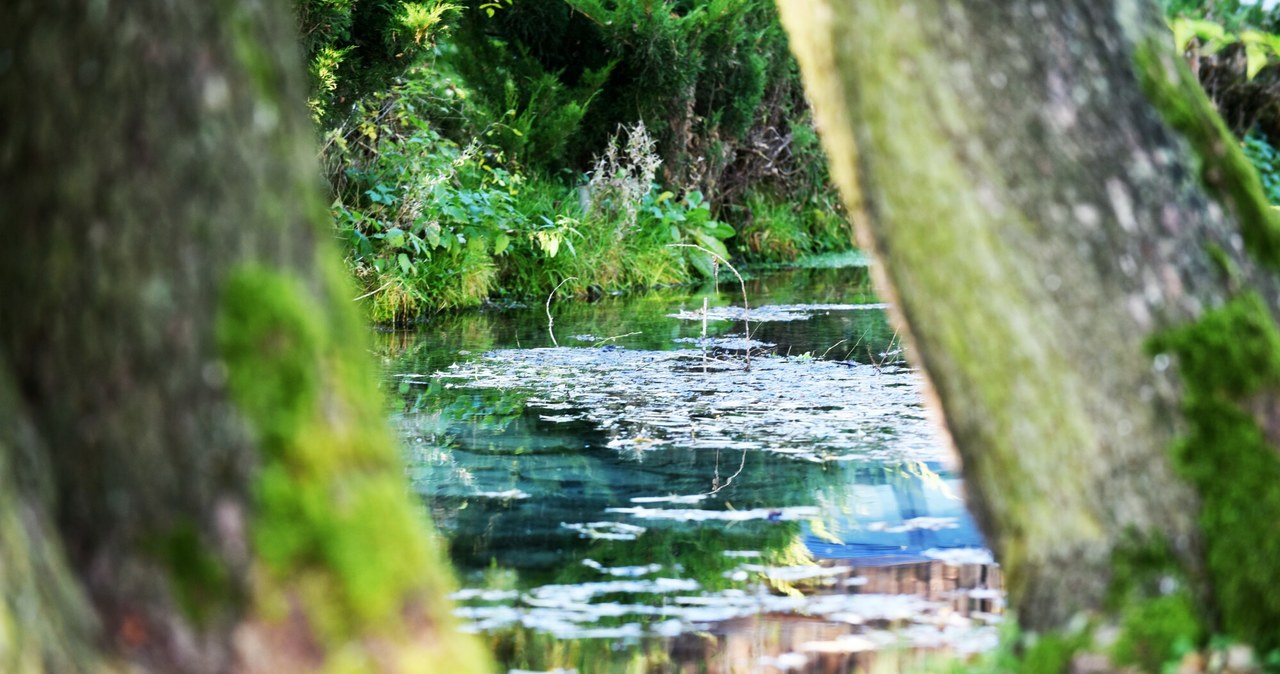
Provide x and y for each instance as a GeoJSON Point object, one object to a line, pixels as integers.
{"type": "Point", "coordinates": [644, 486]}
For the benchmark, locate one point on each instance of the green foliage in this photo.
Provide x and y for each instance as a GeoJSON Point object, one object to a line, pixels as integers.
{"type": "Point", "coordinates": [1209, 37]}
{"type": "Point", "coordinates": [461, 178]}
{"type": "Point", "coordinates": [1224, 169]}
{"type": "Point", "coordinates": [1156, 633]}
{"type": "Point", "coordinates": [1233, 15]}
{"type": "Point", "coordinates": [777, 229]}
{"type": "Point", "coordinates": [356, 47]}
{"type": "Point", "coordinates": [1051, 653]}
{"type": "Point", "coordinates": [1264, 157]}
{"type": "Point", "coordinates": [713, 81]}
{"type": "Point", "coordinates": [431, 225]}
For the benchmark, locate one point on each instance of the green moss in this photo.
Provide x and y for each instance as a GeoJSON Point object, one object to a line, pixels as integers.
{"type": "Point", "coordinates": [201, 582]}
{"type": "Point", "coordinates": [1224, 169]}
{"type": "Point", "coordinates": [1229, 358]}
{"type": "Point", "coordinates": [247, 43]}
{"type": "Point", "coordinates": [1225, 266]}
{"type": "Point", "coordinates": [334, 526]}
{"type": "Point", "coordinates": [269, 339]}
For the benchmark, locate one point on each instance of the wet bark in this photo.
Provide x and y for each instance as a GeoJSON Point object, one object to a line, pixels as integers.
{"type": "Point", "coordinates": [151, 153]}
{"type": "Point", "coordinates": [1038, 219]}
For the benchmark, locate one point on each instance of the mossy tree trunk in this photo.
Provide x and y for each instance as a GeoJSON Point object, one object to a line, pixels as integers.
{"type": "Point", "coordinates": [1086, 266]}
{"type": "Point", "coordinates": [195, 472]}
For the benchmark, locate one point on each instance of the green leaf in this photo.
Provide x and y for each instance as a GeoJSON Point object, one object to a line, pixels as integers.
{"type": "Point", "coordinates": [548, 241]}
{"type": "Point", "coordinates": [431, 231]}
{"type": "Point", "coordinates": [394, 237]}
{"type": "Point", "coordinates": [500, 243]}
{"type": "Point", "coordinates": [405, 265]}
{"type": "Point", "coordinates": [710, 243]}
{"type": "Point", "coordinates": [720, 230]}
{"type": "Point", "coordinates": [1255, 57]}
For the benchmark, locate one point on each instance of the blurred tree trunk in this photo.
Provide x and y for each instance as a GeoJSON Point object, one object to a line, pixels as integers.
{"type": "Point", "coordinates": [1086, 265]}
{"type": "Point", "coordinates": [195, 472]}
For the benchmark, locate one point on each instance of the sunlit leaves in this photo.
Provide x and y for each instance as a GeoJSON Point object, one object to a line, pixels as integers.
{"type": "Point", "coordinates": [1209, 37]}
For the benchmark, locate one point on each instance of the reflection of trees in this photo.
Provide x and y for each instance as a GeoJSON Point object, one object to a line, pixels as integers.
{"type": "Point", "coordinates": [967, 591]}
{"type": "Point", "coordinates": [699, 549]}
{"type": "Point", "coordinates": [866, 334]}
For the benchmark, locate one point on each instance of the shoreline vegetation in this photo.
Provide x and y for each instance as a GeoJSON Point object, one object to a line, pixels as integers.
{"type": "Point", "coordinates": [484, 151]}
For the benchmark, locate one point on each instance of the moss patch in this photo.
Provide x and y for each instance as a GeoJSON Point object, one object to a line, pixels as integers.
{"type": "Point", "coordinates": [1224, 169]}
{"type": "Point", "coordinates": [269, 339]}
{"type": "Point", "coordinates": [201, 582]}
{"type": "Point", "coordinates": [335, 528]}
{"type": "Point", "coordinates": [1231, 354]}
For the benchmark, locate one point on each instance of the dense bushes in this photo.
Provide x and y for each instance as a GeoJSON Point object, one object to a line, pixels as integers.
{"type": "Point", "coordinates": [498, 148]}
{"type": "Point", "coordinates": [432, 224]}
{"type": "Point", "coordinates": [1234, 49]}
{"type": "Point", "coordinates": [713, 81]}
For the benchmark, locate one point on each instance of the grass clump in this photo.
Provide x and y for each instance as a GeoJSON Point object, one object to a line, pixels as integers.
{"type": "Point", "coordinates": [431, 225]}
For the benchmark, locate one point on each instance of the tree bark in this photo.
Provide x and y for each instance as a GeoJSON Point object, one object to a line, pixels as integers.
{"type": "Point", "coordinates": [1062, 224]}
{"type": "Point", "coordinates": [195, 474]}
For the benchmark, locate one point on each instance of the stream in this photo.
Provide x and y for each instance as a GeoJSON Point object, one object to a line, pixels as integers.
{"type": "Point", "coordinates": [647, 488]}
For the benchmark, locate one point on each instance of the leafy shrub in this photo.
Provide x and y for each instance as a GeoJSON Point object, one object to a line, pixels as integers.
{"type": "Point", "coordinates": [357, 47]}
{"type": "Point", "coordinates": [474, 152]}
{"type": "Point", "coordinates": [1234, 15]}
{"type": "Point", "coordinates": [713, 82]}
{"type": "Point", "coordinates": [423, 216]}
{"type": "Point", "coordinates": [1266, 160]}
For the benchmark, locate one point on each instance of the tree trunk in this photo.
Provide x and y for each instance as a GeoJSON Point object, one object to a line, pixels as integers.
{"type": "Point", "coordinates": [1082, 257]}
{"type": "Point", "coordinates": [195, 472]}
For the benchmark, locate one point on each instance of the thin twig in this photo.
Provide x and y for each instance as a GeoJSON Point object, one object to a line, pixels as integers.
{"type": "Point", "coordinates": [610, 339]}
{"type": "Point", "coordinates": [551, 321]}
{"type": "Point", "coordinates": [829, 348]}
{"type": "Point", "coordinates": [372, 292]}
{"type": "Point", "coordinates": [730, 480]}
{"type": "Point", "coordinates": [855, 344]}
{"type": "Point", "coordinates": [746, 307]}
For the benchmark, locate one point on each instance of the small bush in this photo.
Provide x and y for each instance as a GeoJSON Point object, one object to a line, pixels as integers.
{"type": "Point", "coordinates": [1266, 160]}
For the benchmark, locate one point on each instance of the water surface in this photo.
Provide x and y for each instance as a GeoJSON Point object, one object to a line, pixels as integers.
{"type": "Point", "coordinates": [646, 487]}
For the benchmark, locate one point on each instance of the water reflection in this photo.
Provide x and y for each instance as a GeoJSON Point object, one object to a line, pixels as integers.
{"type": "Point", "coordinates": [649, 503]}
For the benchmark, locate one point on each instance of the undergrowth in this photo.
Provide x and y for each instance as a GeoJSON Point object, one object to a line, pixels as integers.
{"type": "Point", "coordinates": [481, 150]}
